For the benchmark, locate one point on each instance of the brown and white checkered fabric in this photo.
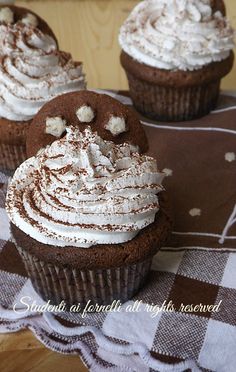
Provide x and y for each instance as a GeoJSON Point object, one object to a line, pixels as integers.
{"type": "Point", "coordinates": [176, 340]}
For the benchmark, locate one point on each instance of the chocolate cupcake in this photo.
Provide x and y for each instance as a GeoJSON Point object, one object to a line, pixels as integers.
{"type": "Point", "coordinates": [87, 216]}
{"type": "Point", "coordinates": [32, 71]}
{"type": "Point", "coordinates": [112, 120]}
{"type": "Point", "coordinates": [175, 54]}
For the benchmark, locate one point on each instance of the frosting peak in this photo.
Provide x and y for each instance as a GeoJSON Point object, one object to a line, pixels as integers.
{"type": "Point", "coordinates": [176, 34]}
{"type": "Point", "coordinates": [83, 190]}
{"type": "Point", "coordinates": [19, 39]}
{"type": "Point", "coordinates": [33, 71]}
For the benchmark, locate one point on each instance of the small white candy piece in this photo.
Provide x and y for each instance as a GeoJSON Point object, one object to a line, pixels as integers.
{"type": "Point", "coordinates": [85, 114]}
{"type": "Point", "coordinates": [6, 15]}
{"type": "Point", "coordinates": [195, 212]}
{"type": "Point", "coordinates": [168, 172]}
{"type": "Point", "coordinates": [30, 20]}
{"type": "Point", "coordinates": [116, 125]}
{"type": "Point", "coordinates": [55, 126]}
{"type": "Point", "coordinates": [230, 156]}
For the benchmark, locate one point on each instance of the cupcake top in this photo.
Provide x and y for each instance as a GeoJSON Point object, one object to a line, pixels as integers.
{"type": "Point", "coordinates": [176, 34]}
{"type": "Point", "coordinates": [32, 69]}
{"type": "Point", "coordinates": [17, 15]}
{"type": "Point", "coordinates": [82, 191]}
{"type": "Point", "coordinates": [112, 120]}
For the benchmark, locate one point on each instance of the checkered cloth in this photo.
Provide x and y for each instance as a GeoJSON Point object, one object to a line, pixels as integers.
{"type": "Point", "coordinates": [177, 340]}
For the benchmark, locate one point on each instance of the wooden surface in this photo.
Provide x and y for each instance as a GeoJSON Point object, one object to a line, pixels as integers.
{"type": "Point", "coordinates": [88, 29]}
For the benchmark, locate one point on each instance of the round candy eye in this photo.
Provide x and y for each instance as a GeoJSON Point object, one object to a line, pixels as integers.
{"type": "Point", "coordinates": [55, 126]}
{"type": "Point", "coordinates": [116, 125]}
{"type": "Point", "coordinates": [85, 114]}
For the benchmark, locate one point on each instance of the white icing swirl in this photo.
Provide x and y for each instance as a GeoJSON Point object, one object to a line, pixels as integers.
{"type": "Point", "coordinates": [176, 34]}
{"type": "Point", "coordinates": [33, 71]}
{"type": "Point", "coordinates": [82, 190]}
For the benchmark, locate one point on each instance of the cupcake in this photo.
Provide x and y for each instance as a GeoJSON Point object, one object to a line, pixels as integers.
{"type": "Point", "coordinates": [87, 216]}
{"type": "Point", "coordinates": [175, 54]}
{"type": "Point", "coordinates": [32, 71]}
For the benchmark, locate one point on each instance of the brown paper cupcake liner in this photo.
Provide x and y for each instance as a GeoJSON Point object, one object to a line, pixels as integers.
{"type": "Point", "coordinates": [168, 103]}
{"type": "Point", "coordinates": [99, 286]}
{"type": "Point", "coordinates": [11, 156]}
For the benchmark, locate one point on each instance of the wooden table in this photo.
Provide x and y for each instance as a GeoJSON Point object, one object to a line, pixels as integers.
{"type": "Point", "coordinates": [88, 29]}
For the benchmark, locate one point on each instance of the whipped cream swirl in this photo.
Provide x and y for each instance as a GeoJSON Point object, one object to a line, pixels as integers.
{"type": "Point", "coordinates": [33, 71]}
{"type": "Point", "coordinates": [82, 191]}
{"type": "Point", "coordinates": [176, 34]}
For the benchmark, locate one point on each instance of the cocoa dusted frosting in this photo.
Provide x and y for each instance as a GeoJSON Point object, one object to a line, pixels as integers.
{"type": "Point", "coordinates": [13, 14]}
{"type": "Point", "coordinates": [82, 191]}
{"type": "Point", "coordinates": [177, 34]}
{"type": "Point", "coordinates": [32, 69]}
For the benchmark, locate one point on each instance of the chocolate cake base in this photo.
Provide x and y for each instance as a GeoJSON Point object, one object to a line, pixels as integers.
{"type": "Point", "coordinates": [99, 274]}
{"type": "Point", "coordinates": [174, 95]}
{"type": "Point", "coordinates": [11, 156]}
{"type": "Point", "coordinates": [79, 287]}
{"type": "Point", "coordinates": [12, 143]}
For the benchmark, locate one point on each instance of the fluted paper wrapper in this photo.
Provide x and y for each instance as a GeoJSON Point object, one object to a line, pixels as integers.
{"type": "Point", "coordinates": [99, 286]}
{"type": "Point", "coordinates": [11, 156]}
{"type": "Point", "coordinates": [173, 103]}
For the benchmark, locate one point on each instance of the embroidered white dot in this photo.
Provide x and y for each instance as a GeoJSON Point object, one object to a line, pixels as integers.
{"type": "Point", "coordinates": [194, 212]}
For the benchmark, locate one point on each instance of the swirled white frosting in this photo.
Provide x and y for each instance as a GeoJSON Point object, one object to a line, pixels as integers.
{"type": "Point", "coordinates": [32, 71]}
{"type": "Point", "coordinates": [82, 190]}
{"type": "Point", "coordinates": [176, 34]}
